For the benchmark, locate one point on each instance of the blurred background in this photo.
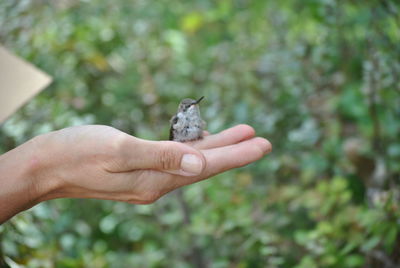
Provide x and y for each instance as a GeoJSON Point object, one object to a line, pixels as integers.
{"type": "Point", "coordinates": [319, 79]}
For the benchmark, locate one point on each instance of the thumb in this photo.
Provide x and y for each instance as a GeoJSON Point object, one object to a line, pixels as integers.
{"type": "Point", "coordinates": [169, 156]}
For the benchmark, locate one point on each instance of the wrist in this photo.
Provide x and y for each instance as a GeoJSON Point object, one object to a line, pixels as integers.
{"type": "Point", "coordinates": [40, 169]}
{"type": "Point", "coordinates": [22, 178]}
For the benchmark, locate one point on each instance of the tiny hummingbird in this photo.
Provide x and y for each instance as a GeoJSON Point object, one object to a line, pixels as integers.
{"type": "Point", "coordinates": [186, 124]}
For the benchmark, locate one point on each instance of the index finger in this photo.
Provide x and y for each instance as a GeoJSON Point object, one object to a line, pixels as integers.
{"type": "Point", "coordinates": [229, 136]}
{"type": "Point", "coordinates": [221, 159]}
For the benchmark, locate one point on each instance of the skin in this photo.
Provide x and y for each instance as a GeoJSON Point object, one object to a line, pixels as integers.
{"type": "Point", "coordinates": [101, 162]}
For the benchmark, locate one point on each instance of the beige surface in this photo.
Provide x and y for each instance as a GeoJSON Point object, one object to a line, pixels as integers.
{"type": "Point", "coordinates": [19, 81]}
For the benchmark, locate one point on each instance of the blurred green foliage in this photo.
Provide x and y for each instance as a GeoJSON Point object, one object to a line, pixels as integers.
{"type": "Point", "coordinates": [320, 79]}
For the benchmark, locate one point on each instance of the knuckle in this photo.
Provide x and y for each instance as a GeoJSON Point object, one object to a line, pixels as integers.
{"type": "Point", "coordinates": [112, 152]}
{"type": "Point", "coordinates": [149, 198]}
{"type": "Point", "coordinates": [168, 159]}
{"type": "Point", "coordinates": [117, 143]}
{"type": "Point", "coordinates": [142, 198]}
{"type": "Point", "coordinates": [115, 146]}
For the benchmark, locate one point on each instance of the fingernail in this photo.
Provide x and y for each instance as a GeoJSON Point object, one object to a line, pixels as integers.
{"type": "Point", "coordinates": [266, 146]}
{"type": "Point", "coordinates": [191, 163]}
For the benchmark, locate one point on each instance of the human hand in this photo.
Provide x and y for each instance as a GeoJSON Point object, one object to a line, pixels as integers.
{"type": "Point", "coordinates": [104, 163]}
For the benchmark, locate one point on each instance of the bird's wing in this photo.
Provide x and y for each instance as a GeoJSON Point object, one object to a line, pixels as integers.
{"type": "Point", "coordinates": [173, 121]}
{"type": "Point", "coordinates": [203, 125]}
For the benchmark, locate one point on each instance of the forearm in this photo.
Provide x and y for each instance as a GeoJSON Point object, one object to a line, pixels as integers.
{"type": "Point", "coordinates": [19, 186]}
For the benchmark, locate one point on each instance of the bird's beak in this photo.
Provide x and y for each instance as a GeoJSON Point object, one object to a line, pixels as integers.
{"type": "Point", "coordinates": [199, 100]}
